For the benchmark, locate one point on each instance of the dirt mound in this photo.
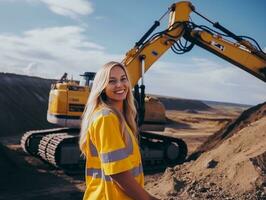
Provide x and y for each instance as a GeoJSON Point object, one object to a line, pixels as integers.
{"type": "Point", "coordinates": [23, 103]}
{"type": "Point", "coordinates": [183, 104]}
{"type": "Point", "coordinates": [19, 180]}
{"type": "Point", "coordinates": [245, 119]}
{"type": "Point", "coordinates": [232, 168]}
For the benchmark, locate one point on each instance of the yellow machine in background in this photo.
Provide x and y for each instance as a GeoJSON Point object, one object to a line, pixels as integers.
{"type": "Point", "coordinates": [66, 102]}
{"type": "Point", "coordinates": [67, 98]}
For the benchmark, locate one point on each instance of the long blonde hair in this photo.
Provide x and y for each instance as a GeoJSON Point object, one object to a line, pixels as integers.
{"type": "Point", "coordinates": [96, 99]}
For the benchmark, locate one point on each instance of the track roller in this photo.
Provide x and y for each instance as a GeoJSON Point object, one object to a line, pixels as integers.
{"type": "Point", "coordinates": [159, 151]}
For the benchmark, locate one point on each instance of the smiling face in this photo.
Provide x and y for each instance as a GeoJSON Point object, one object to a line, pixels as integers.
{"type": "Point", "coordinates": [117, 87]}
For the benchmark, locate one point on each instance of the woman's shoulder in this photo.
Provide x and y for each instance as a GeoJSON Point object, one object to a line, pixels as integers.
{"type": "Point", "coordinates": [103, 113]}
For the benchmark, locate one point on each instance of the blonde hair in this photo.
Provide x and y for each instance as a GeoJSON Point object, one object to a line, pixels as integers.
{"type": "Point", "coordinates": [96, 99]}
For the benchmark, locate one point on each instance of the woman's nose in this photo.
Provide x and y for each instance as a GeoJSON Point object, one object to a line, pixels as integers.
{"type": "Point", "coordinates": [118, 83]}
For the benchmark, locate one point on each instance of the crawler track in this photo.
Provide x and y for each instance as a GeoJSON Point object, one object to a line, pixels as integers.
{"type": "Point", "coordinates": [31, 139]}
{"type": "Point", "coordinates": [59, 147]}
{"type": "Point", "coordinates": [62, 151]}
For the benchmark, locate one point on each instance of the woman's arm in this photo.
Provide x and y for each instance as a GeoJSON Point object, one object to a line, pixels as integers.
{"type": "Point", "coordinates": [129, 185]}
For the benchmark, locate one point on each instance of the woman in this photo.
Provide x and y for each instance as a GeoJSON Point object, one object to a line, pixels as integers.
{"type": "Point", "coordinates": [108, 139]}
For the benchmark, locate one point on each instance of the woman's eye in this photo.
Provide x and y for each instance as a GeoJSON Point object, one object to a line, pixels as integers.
{"type": "Point", "coordinates": [124, 79]}
{"type": "Point", "coordinates": [112, 81]}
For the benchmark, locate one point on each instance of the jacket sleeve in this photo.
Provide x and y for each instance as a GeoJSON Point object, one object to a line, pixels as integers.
{"type": "Point", "coordinates": [112, 150]}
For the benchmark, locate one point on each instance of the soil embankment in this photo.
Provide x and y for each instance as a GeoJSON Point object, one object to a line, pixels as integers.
{"type": "Point", "coordinates": [231, 164]}
{"type": "Point", "coordinates": [171, 103]}
{"type": "Point", "coordinates": [22, 180]}
{"type": "Point", "coordinates": [23, 103]}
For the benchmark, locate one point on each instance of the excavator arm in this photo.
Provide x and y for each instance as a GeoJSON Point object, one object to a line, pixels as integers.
{"type": "Point", "coordinates": [240, 52]}
{"type": "Point", "coordinates": [148, 50]}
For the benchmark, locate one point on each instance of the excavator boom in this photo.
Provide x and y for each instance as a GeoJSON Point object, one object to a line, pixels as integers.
{"type": "Point", "coordinates": [153, 48]}
{"type": "Point", "coordinates": [244, 55]}
{"type": "Point", "coordinates": [240, 52]}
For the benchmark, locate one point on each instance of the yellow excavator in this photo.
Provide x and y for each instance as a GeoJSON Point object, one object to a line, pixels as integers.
{"type": "Point", "coordinates": [68, 98]}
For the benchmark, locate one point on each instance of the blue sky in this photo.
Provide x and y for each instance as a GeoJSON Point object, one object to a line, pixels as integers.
{"type": "Point", "coordinates": [49, 37]}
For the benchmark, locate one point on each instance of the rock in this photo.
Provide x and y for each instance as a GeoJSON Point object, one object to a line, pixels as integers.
{"type": "Point", "coordinates": [169, 171]}
{"type": "Point", "coordinates": [194, 182]}
{"type": "Point", "coordinates": [193, 195]}
{"type": "Point", "coordinates": [263, 195]}
{"type": "Point", "coordinates": [209, 196]}
{"type": "Point", "coordinates": [210, 184]}
{"type": "Point", "coordinates": [178, 185]}
{"type": "Point", "coordinates": [171, 198]}
{"type": "Point", "coordinates": [177, 168]}
{"type": "Point", "coordinates": [212, 164]}
{"type": "Point", "coordinates": [203, 189]}
{"type": "Point", "coordinates": [260, 162]}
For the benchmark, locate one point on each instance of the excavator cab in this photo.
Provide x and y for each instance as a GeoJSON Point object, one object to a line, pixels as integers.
{"type": "Point", "coordinates": [87, 79]}
{"type": "Point", "coordinates": [67, 100]}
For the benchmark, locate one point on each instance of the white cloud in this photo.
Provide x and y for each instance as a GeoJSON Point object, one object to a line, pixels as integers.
{"type": "Point", "coordinates": [50, 52]}
{"type": "Point", "coordinates": [69, 8]}
{"type": "Point", "coordinates": [60, 36]}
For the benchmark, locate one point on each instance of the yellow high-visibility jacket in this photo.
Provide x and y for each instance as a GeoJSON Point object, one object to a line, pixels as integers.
{"type": "Point", "coordinates": [107, 154]}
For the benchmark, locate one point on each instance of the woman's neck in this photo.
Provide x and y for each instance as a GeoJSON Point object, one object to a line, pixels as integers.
{"type": "Point", "coordinates": [117, 105]}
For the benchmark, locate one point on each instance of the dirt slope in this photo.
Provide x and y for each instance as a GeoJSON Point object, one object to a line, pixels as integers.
{"type": "Point", "coordinates": [247, 117]}
{"type": "Point", "coordinates": [23, 103]}
{"type": "Point", "coordinates": [171, 103]}
{"type": "Point", "coordinates": [19, 180]}
{"type": "Point", "coordinates": [231, 167]}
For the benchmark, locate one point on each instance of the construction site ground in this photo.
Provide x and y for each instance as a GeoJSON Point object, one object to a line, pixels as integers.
{"type": "Point", "coordinates": [25, 177]}
{"type": "Point", "coordinates": [227, 149]}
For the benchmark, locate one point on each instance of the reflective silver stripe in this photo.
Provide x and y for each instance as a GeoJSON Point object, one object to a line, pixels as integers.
{"type": "Point", "coordinates": [119, 154]}
{"type": "Point", "coordinates": [129, 142]}
{"type": "Point", "coordinates": [137, 170]}
{"type": "Point", "coordinates": [93, 150]}
{"type": "Point", "coordinates": [103, 111]}
{"type": "Point", "coordinates": [99, 173]}
{"type": "Point", "coordinates": [115, 155]}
